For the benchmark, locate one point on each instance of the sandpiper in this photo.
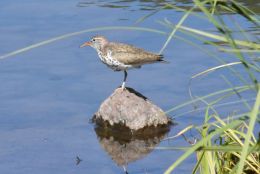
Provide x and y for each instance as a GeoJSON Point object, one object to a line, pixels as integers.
{"type": "Point", "coordinates": [121, 57]}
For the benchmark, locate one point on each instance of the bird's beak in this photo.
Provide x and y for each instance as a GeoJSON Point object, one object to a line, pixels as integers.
{"type": "Point", "coordinates": [85, 44]}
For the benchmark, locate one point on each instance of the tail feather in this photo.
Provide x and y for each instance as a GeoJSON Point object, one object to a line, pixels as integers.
{"type": "Point", "coordinates": [161, 59]}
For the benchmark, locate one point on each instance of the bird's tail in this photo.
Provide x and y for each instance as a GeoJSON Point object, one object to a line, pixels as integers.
{"type": "Point", "coordinates": [161, 59]}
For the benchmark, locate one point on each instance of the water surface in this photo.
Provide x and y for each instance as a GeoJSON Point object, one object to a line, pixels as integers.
{"type": "Point", "coordinates": [49, 94]}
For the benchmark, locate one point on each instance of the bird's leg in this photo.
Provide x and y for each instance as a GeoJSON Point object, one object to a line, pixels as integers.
{"type": "Point", "coordinates": [125, 76]}
{"type": "Point", "coordinates": [125, 169]}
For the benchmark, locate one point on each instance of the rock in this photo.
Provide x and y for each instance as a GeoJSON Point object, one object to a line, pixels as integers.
{"type": "Point", "coordinates": [129, 108]}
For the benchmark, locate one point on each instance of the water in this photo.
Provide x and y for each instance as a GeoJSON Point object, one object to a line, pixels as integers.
{"type": "Point", "coordinates": [49, 94]}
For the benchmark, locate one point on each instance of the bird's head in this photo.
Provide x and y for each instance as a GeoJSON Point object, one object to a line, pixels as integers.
{"type": "Point", "coordinates": [97, 42]}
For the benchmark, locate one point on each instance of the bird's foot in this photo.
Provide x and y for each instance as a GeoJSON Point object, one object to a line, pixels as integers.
{"type": "Point", "coordinates": [123, 86]}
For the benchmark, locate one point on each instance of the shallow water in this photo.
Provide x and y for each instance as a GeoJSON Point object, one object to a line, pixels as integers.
{"type": "Point", "coordinates": [49, 94]}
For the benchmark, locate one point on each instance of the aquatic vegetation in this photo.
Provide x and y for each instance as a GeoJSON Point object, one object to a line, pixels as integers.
{"type": "Point", "coordinates": [228, 142]}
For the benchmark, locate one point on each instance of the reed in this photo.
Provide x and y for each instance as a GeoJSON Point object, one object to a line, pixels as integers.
{"type": "Point", "coordinates": [227, 144]}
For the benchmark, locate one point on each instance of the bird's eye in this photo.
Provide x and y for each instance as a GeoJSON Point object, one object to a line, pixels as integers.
{"type": "Point", "coordinates": [93, 40]}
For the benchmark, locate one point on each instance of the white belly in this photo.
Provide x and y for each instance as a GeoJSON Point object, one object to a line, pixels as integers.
{"type": "Point", "coordinates": [114, 64]}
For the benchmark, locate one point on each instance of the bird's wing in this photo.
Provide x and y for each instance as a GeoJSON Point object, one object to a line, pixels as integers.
{"type": "Point", "coordinates": [133, 58]}
{"type": "Point", "coordinates": [131, 55]}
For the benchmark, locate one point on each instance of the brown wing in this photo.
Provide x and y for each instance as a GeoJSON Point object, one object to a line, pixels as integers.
{"type": "Point", "coordinates": [131, 55]}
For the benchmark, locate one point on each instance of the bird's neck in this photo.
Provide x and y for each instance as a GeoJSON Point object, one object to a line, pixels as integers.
{"type": "Point", "coordinates": [100, 49]}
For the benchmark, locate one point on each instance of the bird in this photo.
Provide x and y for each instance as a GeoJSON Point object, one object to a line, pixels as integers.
{"type": "Point", "coordinates": [120, 56]}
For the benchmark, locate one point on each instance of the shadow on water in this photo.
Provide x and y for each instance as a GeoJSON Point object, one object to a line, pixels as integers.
{"type": "Point", "coordinates": [134, 5]}
{"type": "Point", "coordinates": [125, 146]}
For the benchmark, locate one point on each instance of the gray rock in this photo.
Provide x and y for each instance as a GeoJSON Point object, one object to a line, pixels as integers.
{"type": "Point", "coordinates": [131, 109]}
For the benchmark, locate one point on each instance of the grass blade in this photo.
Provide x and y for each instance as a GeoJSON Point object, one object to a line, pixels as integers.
{"type": "Point", "coordinates": [253, 117]}
{"type": "Point", "coordinates": [65, 36]}
{"type": "Point", "coordinates": [215, 68]}
{"type": "Point", "coordinates": [175, 29]}
{"type": "Point", "coordinates": [199, 144]}
{"type": "Point", "coordinates": [221, 38]}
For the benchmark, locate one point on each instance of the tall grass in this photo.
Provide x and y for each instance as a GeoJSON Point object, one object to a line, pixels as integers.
{"type": "Point", "coordinates": [227, 143]}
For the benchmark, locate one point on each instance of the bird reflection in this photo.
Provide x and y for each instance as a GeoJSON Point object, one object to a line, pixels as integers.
{"type": "Point", "coordinates": [125, 146]}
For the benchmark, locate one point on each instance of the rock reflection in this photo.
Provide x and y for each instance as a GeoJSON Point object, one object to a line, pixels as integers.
{"type": "Point", "coordinates": [125, 146]}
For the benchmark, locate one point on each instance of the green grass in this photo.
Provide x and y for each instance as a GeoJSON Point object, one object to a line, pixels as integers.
{"type": "Point", "coordinates": [227, 143]}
